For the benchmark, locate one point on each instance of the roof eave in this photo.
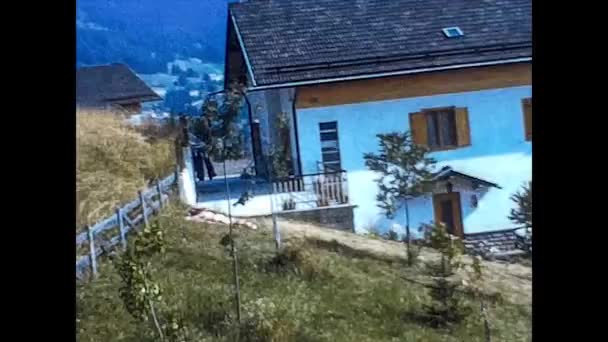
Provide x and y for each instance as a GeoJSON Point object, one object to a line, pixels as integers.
{"type": "Point", "coordinates": [384, 74]}
{"type": "Point", "coordinates": [243, 50]}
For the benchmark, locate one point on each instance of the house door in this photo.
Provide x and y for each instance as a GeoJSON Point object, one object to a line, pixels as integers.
{"type": "Point", "coordinates": [447, 210]}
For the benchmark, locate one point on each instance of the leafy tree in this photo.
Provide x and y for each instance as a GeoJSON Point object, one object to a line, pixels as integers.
{"type": "Point", "coordinates": [523, 213]}
{"type": "Point", "coordinates": [191, 73]}
{"type": "Point", "coordinates": [182, 80]}
{"type": "Point", "coordinates": [404, 168]}
{"type": "Point", "coordinates": [219, 127]}
{"type": "Point", "coordinates": [140, 294]}
{"type": "Point", "coordinates": [177, 100]}
{"type": "Point", "coordinates": [176, 70]}
{"type": "Point", "coordinates": [392, 235]}
{"type": "Point", "coordinates": [446, 305]}
{"type": "Point", "coordinates": [280, 155]}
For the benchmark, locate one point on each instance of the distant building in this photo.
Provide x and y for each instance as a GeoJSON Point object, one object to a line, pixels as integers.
{"type": "Point", "coordinates": [113, 86]}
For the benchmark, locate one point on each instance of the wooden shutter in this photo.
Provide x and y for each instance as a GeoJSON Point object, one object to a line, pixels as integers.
{"type": "Point", "coordinates": [527, 107]}
{"type": "Point", "coordinates": [463, 133]}
{"type": "Point", "coordinates": [419, 128]}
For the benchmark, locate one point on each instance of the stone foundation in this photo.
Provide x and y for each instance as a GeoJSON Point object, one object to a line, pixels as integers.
{"type": "Point", "coordinates": [336, 217]}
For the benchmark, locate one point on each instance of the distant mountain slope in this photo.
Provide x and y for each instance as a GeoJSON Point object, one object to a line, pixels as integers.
{"type": "Point", "coordinates": [147, 34]}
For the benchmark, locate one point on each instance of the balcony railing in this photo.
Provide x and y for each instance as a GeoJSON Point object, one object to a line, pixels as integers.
{"type": "Point", "coordinates": [311, 191]}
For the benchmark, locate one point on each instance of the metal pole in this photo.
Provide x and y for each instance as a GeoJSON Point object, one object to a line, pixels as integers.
{"type": "Point", "coordinates": [275, 228]}
{"type": "Point", "coordinates": [408, 237]}
{"type": "Point", "coordinates": [235, 264]}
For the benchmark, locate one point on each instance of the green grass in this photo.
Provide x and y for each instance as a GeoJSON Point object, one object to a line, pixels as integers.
{"type": "Point", "coordinates": [316, 293]}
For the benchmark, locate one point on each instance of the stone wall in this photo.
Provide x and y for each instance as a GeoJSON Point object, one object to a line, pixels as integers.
{"type": "Point", "coordinates": [481, 243]}
{"type": "Point", "coordinates": [338, 217]}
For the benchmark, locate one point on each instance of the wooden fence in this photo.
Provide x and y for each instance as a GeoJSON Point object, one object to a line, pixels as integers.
{"type": "Point", "coordinates": [329, 188]}
{"type": "Point", "coordinates": [126, 219]}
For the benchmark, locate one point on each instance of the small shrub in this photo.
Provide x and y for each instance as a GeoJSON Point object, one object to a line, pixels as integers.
{"type": "Point", "coordinates": [392, 235]}
{"type": "Point", "coordinates": [278, 318]}
{"type": "Point", "coordinates": [299, 261]}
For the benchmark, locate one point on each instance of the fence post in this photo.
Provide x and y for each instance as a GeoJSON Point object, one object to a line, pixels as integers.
{"type": "Point", "coordinates": [160, 194]}
{"type": "Point", "coordinates": [121, 226]}
{"type": "Point", "coordinates": [92, 251]}
{"type": "Point", "coordinates": [143, 208]}
{"type": "Point", "coordinates": [176, 180]}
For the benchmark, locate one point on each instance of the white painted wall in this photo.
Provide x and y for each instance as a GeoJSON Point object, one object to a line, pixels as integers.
{"type": "Point", "coordinates": [187, 188]}
{"type": "Point", "coordinates": [498, 152]}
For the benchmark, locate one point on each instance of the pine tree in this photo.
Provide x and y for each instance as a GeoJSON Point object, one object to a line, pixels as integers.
{"type": "Point", "coordinates": [446, 306]}
{"type": "Point", "coordinates": [404, 168]}
{"type": "Point", "coordinates": [523, 213]}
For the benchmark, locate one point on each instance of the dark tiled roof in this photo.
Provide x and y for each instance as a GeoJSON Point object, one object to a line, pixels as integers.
{"type": "Point", "coordinates": [304, 40]}
{"type": "Point", "coordinates": [446, 173]}
{"type": "Point", "coordinates": [114, 83]}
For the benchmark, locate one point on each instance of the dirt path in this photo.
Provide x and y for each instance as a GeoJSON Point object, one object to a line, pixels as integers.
{"type": "Point", "coordinates": [513, 281]}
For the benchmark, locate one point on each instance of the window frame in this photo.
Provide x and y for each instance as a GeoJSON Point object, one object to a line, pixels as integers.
{"type": "Point", "coordinates": [433, 111]}
{"type": "Point", "coordinates": [337, 148]}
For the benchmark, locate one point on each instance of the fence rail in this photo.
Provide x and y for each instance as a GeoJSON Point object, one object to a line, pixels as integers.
{"type": "Point", "coordinates": [312, 190]}
{"type": "Point", "coordinates": [126, 219]}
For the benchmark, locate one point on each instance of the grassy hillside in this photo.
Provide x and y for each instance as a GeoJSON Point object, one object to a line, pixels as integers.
{"type": "Point", "coordinates": [114, 162]}
{"type": "Point", "coordinates": [329, 286]}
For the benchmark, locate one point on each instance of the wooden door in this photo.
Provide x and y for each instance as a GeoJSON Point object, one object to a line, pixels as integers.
{"type": "Point", "coordinates": [448, 210]}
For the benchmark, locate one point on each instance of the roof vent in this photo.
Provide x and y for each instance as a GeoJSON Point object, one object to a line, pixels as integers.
{"type": "Point", "coordinates": [453, 32]}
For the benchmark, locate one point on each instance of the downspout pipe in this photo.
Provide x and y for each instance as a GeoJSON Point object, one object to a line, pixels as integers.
{"type": "Point", "coordinates": [295, 127]}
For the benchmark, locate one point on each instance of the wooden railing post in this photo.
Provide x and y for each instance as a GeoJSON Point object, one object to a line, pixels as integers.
{"type": "Point", "coordinates": [160, 194]}
{"type": "Point", "coordinates": [121, 227]}
{"type": "Point", "coordinates": [92, 252]}
{"type": "Point", "coordinates": [143, 208]}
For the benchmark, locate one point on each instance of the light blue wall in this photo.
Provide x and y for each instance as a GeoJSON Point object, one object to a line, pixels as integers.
{"type": "Point", "coordinates": [498, 152]}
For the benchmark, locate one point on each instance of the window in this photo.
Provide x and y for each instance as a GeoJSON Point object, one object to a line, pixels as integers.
{"type": "Point", "coordinates": [527, 108]}
{"type": "Point", "coordinates": [441, 128]}
{"type": "Point", "coordinates": [452, 32]}
{"type": "Point", "coordinates": [330, 149]}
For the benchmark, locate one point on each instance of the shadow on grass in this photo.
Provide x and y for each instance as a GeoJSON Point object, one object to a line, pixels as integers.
{"type": "Point", "coordinates": [342, 249]}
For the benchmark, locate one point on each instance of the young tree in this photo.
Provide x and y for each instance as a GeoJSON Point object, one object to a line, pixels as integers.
{"type": "Point", "coordinates": [475, 276]}
{"type": "Point", "coordinates": [403, 167]}
{"type": "Point", "coordinates": [523, 213]}
{"type": "Point", "coordinates": [446, 306]}
{"type": "Point", "coordinates": [139, 293]}
{"type": "Point", "coordinates": [219, 130]}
